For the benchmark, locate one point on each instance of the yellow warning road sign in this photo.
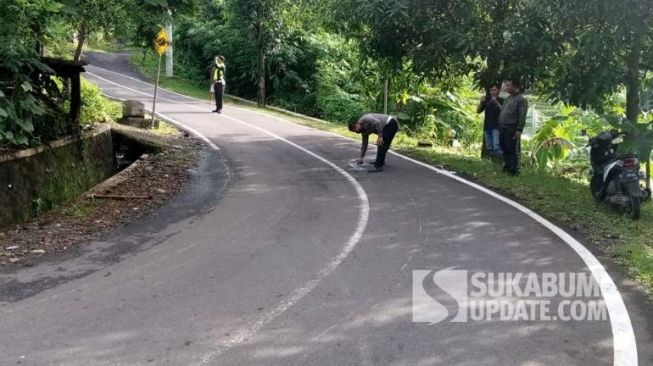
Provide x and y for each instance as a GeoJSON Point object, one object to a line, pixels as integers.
{"type": "Point", "coordinates": [162, 42]}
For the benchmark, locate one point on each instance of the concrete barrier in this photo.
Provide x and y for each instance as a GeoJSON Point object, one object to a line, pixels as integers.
{"type": "Point", "coordinates": [36, 179]}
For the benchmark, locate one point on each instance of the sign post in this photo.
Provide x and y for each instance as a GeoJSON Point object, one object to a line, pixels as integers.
{"type": "Point", "coordinates": [161, 44]}
{"type": "Point", "coordinates": [385, 97]}
{"type": "Point", "coordinates": [169, 58]}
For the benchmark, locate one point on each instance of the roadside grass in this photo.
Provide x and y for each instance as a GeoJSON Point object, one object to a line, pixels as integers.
{"type": "Point", "coordinates": [148, 68]}
{"type": "Point", "coordinates": [565, 202]}
{"type": "Point", "coordinates": [165, 129]}
{"type": "Point", "coordinates": [102, 45]}
{"type": "Point", "coordinates": [79, 211]}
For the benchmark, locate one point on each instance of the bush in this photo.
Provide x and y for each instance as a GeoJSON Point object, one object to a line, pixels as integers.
{"type": "Point", "coordinates": [96, 107]}
{"type": "Point", "coordinates": [29, 100]}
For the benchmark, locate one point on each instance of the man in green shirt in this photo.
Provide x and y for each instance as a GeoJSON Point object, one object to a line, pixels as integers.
{"type": "Point", "coordinates": [511, 124]}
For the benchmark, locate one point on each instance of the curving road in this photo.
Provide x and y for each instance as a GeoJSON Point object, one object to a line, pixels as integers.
{"type": "Point", "coordinates": [280, 254]}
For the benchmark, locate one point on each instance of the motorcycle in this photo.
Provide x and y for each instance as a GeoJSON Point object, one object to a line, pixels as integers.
{"type": "Point", "coordinates": [615, 178]}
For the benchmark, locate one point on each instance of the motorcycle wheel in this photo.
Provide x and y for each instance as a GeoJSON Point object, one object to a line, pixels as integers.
{"type": "Point", "coordinates": [595, 186]}
{"type": "Point", "coordinates": [635, 207]}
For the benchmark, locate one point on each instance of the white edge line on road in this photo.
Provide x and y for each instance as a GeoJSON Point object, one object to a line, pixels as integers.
{"type": "Point", "coordinates": [252, 328]}
{"type": "Point", "coordinates": [364, 212]}
{"type": "Point", "coordinates": [624, 342]}
{"type": "Point", "coordinates": [172, 121]}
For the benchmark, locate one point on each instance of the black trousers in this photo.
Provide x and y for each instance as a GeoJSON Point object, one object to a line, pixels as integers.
{"type": "Point", "coordinates": [388, 134]}
{"type": "Point", "coordinates": [511, 148]}
{"type": "Point", "coordinates": [218, 90]}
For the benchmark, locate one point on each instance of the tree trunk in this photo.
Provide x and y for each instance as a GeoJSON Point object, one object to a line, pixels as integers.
{"type": "Point", "coordinates": [633, 79]}
{"type": "Point", "coordinates": [81, 38]}
{"type": "Point", "coordinates": [633, 85]}
{"type": "Point", "coordinates": [261, 76]}
{"type": "Point", "coordinates": [484, 152]}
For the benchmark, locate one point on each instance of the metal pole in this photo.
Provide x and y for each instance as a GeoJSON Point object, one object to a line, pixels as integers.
{"type": "Point", "coordinates": [169, 58]}
{"type": "Point", "coordinates": [156, 89]}
{"type": "Point", "coordinates": [385, 97]}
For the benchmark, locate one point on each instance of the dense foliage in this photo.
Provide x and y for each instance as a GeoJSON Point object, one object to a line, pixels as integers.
{"type": "Point", "coordinates": [23, 78]}
{"type": "Point", "coordinates": [32, 99]}
{"type": "Point", "coordinates": [331, 59]}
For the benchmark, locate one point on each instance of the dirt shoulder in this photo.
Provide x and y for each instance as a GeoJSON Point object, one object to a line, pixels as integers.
{"type": "Point", "coordinates": [136, 191]}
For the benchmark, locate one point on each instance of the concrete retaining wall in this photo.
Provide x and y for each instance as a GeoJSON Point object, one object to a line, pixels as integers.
{"type": "Point", "coordinates": [34, 180]}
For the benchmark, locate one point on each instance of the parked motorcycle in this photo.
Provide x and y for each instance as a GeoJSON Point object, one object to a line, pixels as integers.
{"type": "Point", "coordinates": [615, 178]}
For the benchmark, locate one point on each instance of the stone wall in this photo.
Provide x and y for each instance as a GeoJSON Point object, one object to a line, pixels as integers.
{"type": "Point", "coordinates": [34, 180]}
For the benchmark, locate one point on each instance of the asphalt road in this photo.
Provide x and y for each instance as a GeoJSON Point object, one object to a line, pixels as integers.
{"type": "Point", "coordinates": [280, 254]}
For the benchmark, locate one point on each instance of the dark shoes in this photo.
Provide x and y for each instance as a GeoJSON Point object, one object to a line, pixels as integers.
{"type": "Point", "coordinates": [376, 169]}
{"type": "Point", "coordinates": [511, 172]}
{"type": "Point", "coordinates": [217, 111]}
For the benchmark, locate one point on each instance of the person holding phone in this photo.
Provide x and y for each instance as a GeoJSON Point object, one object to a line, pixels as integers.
{"type": "Point", "coordinates": [491, 104]}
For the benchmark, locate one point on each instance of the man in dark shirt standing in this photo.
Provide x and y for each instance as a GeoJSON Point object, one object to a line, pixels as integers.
{"type": "Point", "coordinates": [491, 104]}
{"type": "Point", "coordinates": [382, 125]}
{"type": "Point", "coordinates": [512, 120]}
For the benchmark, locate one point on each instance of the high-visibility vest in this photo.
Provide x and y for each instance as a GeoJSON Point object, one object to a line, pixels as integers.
{"type": "Point", "coordinates": [218, 73]}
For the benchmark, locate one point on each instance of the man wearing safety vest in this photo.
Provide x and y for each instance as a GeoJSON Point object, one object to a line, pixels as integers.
{"type": "Point", "coordinates": [218, 82]}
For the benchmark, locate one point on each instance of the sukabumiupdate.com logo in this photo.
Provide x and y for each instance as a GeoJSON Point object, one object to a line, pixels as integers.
{"type": "Point", "coordinates": [454, 295]}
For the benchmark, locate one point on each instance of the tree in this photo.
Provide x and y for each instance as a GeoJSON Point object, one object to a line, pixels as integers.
{"type": "Point", "coordinates": [607, 47]}
{"type": "Point", "coordinates": [262, 19]}
{"type": "Point", "coordinates": [445, 40]}
{"type": "Point", "coordinates": [605, 42]}
{"type": "Point", "coordinates": [491, 39]}
{"type": "Point", "coordinates": [89, 16]}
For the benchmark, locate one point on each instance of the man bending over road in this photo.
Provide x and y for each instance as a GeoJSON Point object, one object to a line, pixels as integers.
{"type": "Point", "coordinates": [382, 125]}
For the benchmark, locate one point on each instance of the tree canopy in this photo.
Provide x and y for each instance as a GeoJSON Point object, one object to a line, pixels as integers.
{"type": "Point", "coordinates": [330, 58]}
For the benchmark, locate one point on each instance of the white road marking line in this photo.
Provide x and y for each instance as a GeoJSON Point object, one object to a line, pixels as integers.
{"type": "Point", "coordinates": [624, 342]}
{"type": "Point", "coordinates": [172, 120]}
{"type": "Point", "coordinates": [242, 334]}
{"type": "Point", "coordinates": [623, 336]}
{"type": "Point", "coordinates": [250, 329]}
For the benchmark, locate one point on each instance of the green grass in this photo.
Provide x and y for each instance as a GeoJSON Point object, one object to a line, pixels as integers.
{"type": "Point", "coordinates": [565, 202]}
{"type": "Point", "coordinates": [179, 85]}
{"type": "Point", "coordinates": [165, 129]}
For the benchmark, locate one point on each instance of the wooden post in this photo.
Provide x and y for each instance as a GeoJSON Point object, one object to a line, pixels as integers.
{"type": "Point", "coordinates": [75, 97]}
{"type": "Point", "coordinates": [169, 55]}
